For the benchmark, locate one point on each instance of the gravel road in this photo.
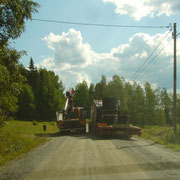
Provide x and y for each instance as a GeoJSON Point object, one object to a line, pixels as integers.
{"type": "Point", "coordinates": [87, 158]}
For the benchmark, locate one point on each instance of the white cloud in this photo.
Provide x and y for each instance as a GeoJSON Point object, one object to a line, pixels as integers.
{"type": "Point", "coordinates": [75, 61]}
{"type": "Point", "coordinates": [142, 8]}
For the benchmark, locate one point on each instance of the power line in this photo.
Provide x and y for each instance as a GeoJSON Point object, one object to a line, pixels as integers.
{"type": "Point", "coordinates": [152, 60]}
{"type": "Point", "coordinates": [139, 69]}
{"type": "Point", "coordinates": [94, 24]}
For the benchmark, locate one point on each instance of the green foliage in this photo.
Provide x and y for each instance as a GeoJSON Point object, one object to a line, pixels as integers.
{"type": "Point", "coordinates": [13, 144]}
{"type": "Point", "coordinates": [28, 129]}
{"type": "Point", "coordinates": [12, 22]}
{"type": "Point", "coordinates": [49, 95]}
{"type": "Point", "coordinates": [166, 103]}
{"type": "Point", "coordinates": [115, 88]}
{"type": "Point", "coordinates": [2, 119]}
{"type": "Point", "coordinates": [10, 78]}
{"type": "Point", "coordinates": [12, 17]}
{"type": "Point", "coordinates": [150, 104]}
{"type": "Point", "coordinates": [18, 137]}
{"type": "Point", "coordinates": [26, 103]}
{"type": "Point", "coordinates": [34, 122]}
{"type": "Point", "coordinates": [42, 96]}
{"type": "Point", "coordinates": [178, 110]}
{"type": "Point", "coordinates": [145, 106]}
{"type": "Point", "coordinates": [160, 117]}
{"type": "Point", "coordinates": [163, 135]}
{"type": "Point", "coordinates": [81, 95]}
{"type": "Point", "coordinates": [173, 138]}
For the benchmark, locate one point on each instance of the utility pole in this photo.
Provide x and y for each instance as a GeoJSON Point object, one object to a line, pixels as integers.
{"type": "Point", "coordinates": [174, 82]}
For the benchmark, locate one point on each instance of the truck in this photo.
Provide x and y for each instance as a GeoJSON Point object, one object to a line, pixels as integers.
{"type": "Point", "coordinates": [106, 119]}
{"type": "Point", "coordinates": [71, 119]}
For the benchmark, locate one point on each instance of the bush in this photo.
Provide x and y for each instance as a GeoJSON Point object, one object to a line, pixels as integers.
{"type": "Point", "coordinates": [35, 123]}
{"type": "Point", "coordinates": [1, 121]}
{"type": "Point", "coordinates": [53, 124]}
{"type": "Point", "coordinates": [173, 138]}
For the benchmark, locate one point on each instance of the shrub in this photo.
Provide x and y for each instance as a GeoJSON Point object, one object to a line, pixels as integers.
{"type": "Point", "coordinates": [34, 122]}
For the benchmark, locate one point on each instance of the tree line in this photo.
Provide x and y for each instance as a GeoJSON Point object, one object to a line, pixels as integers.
{"type": "Point", "coordinates": [24, 93]}
{"type": "Point", "coordinates": [144, 105]}
{"type": "Point", "coordinates": [41, 95]}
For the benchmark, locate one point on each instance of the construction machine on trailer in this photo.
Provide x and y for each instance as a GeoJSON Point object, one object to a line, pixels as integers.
{"type": "Point", "coordinates": [71, 119]}
{"type": "Point", "coordinates": [106, 119]}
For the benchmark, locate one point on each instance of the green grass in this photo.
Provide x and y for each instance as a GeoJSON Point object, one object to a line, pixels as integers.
{"type": "Point", "coordinates": [18, 137]}
{"type": "Point", "coordinates": [163, 135]}
{"type": "Point", "coordinates": [27, 127]}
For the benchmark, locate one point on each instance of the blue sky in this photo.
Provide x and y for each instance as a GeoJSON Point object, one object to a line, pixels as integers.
{"type": "Point", "coordinates": [78, 53]}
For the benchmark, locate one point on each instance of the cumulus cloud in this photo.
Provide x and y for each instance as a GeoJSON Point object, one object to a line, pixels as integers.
{"type": "Point", "coordinates": [68, 47]}
{"type": "Point", "coordinates": [142, 8]}
{"type": "Point", "coordinates": [75, 61]}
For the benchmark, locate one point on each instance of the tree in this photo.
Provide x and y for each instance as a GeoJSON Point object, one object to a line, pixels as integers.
{"type": "Point", "coordinates": [7, 99]}
{"type": "Point", "coordinates": [12, 23]}
{"type": "Point", "coordinates": [135, 103]}
{"type": "Point", "coordinates": [91, 95]}
{"type": "Point", "coordinates": [26, 103]}
{"type": "Point", "coordinates": [178, 109]}
{"type": "Point", "coordinates": [11, 78]}
{"type": "Point", "coordinates": [115, 88]}
{"type": "Point", "coordinates": [32, 75]}
{"type": "Point", "coordinates": [166, 103]}
{"type": "Point", "coordinates": [150, 104]}
{"type": "Point", "coordinates": [81, 95]}
{"type": "Point", "coordinates": [160, 117]}
{"type": "Point", "coordinates": [100, 88]}
{"type": "Point", "coordinates": [50, 97]}
{"type": "Point", "coordinates": [139, 102]}
{"type": "Point", "coordinates": [31, 65]}
{"type": "Point", "coordinates": [12, 18]}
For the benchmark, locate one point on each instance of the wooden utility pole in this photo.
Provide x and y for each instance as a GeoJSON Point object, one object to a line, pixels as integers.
{"type": "Point", "coordinates": [174, 82]}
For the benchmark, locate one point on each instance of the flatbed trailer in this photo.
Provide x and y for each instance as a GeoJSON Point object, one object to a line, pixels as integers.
{"type": "Point", "coordinates": [107, 121]}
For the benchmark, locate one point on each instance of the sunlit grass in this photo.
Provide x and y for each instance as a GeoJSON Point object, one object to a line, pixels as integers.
{"type": "Point", "coordinates": [163, 135]}
{"type": "Point", "coordinates": [27, 127]}
{"type": "Point", "coordinates": [18, 137]}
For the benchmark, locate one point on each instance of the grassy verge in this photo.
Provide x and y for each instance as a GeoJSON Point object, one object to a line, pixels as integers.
{"type": "Point", "coordinates": [18, 137]}
{"type": "Point", "coordinates": [163, 135]}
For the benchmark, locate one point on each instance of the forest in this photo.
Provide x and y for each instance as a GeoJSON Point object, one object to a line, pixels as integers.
{"type": "Point", "coordinates": [29, 93]}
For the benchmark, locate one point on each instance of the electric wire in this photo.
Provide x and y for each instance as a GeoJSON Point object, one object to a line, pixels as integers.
{"type": "Point", "coordinates": [94, 24]}
{"type": "Point", "coordinates": [152, 60]}
{"type": "Point", "coordinates": [139, 69]}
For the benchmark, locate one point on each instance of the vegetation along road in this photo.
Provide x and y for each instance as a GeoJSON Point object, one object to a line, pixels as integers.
{"type": "Point", "coordinates": [86, 157]}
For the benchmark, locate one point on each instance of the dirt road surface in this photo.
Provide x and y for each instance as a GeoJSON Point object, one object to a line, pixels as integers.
{"type": "Point", "coordinates": [82, 157]}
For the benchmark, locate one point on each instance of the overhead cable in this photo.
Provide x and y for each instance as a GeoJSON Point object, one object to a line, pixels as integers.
{"type": "Point", "coordinates": [139, 69]}
{"type": "Point", "coordinates": [151, 60]}
{"type": "Point", "coordinates": [94, 24]}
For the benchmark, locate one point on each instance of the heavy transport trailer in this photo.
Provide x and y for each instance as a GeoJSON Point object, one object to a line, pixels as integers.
{"type": "Point", "coordinates": [106, 119]}
{"type": "Point", "coordinates": [71, 119]}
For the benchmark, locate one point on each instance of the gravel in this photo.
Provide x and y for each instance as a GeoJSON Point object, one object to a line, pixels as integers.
{"type": "Point", "coordinates": [25, 164]}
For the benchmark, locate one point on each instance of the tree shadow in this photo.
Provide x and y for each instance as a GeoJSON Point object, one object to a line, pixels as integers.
{"type": "Point", "coordinates": [96, 138]}
{"type": "Point", "coordinates": [133, 146]}
{"type": "Point", "coordinates": [57, 134]}
{"type": "Point", "coordinates": [84, 136]}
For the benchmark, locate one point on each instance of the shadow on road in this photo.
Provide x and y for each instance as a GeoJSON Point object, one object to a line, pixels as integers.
{"type": "Point", "coordinates": [84, 136]}
{"type": "Point", "coordinates": [134, 146]}
{"type": "Point", "coordinates": [48, 134]}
